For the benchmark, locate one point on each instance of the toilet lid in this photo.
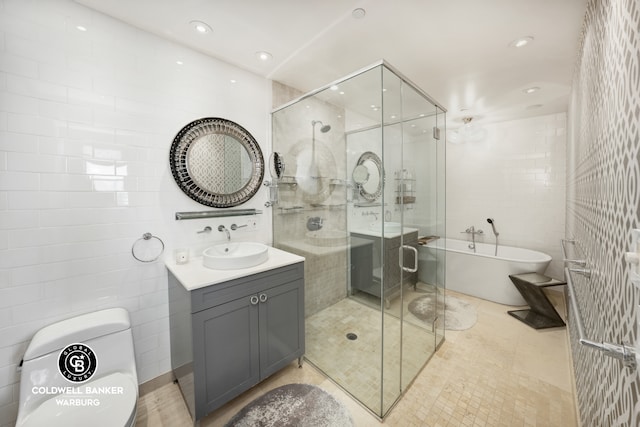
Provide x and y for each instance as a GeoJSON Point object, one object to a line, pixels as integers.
{"type": "Point", "coordinates": [106, 402]}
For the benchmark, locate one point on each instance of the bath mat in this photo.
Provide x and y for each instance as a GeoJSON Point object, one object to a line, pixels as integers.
{"type": "Point", "coordinates": [293, 405]}
{"type": "Point", "coordinates": [458, 314]}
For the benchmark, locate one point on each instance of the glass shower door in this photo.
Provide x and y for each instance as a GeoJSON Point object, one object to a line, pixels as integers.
{"type": "Point", "coordinates": [414, 194]}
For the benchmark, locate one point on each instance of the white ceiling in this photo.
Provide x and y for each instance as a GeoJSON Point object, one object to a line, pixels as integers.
{"type": "Point", "coordinates": [456, 50]}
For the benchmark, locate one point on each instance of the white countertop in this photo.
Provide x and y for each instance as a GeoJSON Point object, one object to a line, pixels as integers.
{"type": "Point", "coordinates": [194, 275]}
{"type": "Point", "coordinates": [387, 235]}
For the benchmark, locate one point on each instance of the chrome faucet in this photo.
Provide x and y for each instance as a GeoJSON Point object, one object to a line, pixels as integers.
{"type": "Point", "coordinates": [472, 230]}
{"type": "Point", "coordinates": [223, 228]}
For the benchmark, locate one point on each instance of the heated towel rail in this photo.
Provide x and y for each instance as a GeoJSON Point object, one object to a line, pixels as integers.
{"type": "Point", "coordinates": [622, 352]}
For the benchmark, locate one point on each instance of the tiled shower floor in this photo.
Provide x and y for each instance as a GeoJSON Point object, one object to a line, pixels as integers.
{"type": "Point", "coordinates": [356, 364]}
{"type": "Point", "coordinates": [498, 373]}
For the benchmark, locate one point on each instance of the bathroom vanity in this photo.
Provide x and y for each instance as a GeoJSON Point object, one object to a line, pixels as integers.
{"type": "Point", "coordinates": [231, 329]}
{"type": "Point", "coordinates": [368, 270]}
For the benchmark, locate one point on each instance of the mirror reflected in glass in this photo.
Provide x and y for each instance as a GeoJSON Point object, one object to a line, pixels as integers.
{"type": "Point", "coordinates": [371, 174]}
{"type": "Point", "coordinates": [360, 174]}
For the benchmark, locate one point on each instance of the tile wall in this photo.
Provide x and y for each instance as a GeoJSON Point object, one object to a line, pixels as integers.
{"type": "Point", "coordinates": [516, 176]}
{"type": "Point", "coordinates": [86, 122]}
{"type": "Point", "coordinates": [603, 205]}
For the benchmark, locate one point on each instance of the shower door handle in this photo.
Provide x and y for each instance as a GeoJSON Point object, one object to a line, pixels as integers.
{"type": "Point", "coordinates": [415, 259]}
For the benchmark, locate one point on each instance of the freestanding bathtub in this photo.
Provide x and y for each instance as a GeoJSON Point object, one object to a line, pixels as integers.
{"type": "Point", "coordinates": [484, 275]}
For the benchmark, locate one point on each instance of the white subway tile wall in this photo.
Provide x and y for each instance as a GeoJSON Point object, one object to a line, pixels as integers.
{"type": "Point", "coordinates": [517, 177]}
{"type": "Point", "coordinates": [86, 123]}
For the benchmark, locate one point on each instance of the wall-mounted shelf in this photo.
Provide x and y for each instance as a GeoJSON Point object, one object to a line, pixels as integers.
{"type": "Point", "coordinates": [216, 214]}
{"type": "Point", "coordinates": [367, 204]}
{"type": "Point", "coordinates": [405, 187]}
{"type": "Point", "coordinates": [291, 209]}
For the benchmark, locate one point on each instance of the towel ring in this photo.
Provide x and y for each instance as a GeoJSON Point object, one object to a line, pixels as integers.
{"type": "Point", "coordinates": [148, 248]}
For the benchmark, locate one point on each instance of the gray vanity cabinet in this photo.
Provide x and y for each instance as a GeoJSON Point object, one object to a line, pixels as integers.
{"type": "Point", "coordinates": [242, 331]}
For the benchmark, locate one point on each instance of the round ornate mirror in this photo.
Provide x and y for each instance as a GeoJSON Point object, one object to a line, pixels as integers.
{"type": "Point", "coordinates": [216, 162]}
{"type": "Point", "coordinates": [371, 188]}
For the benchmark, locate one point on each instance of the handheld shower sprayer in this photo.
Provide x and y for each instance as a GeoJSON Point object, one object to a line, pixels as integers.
{"type": "Point", "coordinates": [495, 232]}
{"type": "Point", "coordinates": [490, 221]}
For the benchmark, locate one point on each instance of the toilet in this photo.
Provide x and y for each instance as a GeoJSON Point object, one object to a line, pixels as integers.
{"type": "Point", "coordinates": [99, 388]}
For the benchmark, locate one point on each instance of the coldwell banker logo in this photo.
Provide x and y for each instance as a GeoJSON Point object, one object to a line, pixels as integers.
{"type": "Point", "coordinates": [77, 363]}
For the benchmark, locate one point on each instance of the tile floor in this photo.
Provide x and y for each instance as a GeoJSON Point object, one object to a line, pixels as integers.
{"type": "Point", "coordinates": [498, 373]}
{"type": "Point", "coordinates": [355, 365]}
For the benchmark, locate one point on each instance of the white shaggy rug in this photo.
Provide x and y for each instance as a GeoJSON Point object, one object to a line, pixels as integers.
{"type": "Point", "coordinates": [293, 405]}
{"type": "Point", "coordinates": [458, 314]}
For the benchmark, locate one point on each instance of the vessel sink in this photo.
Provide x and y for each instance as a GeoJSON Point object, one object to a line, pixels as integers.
{"type": "Point", "coordinates": [389, 227]}
{"type": "Point", "coordinates": [234, 256]}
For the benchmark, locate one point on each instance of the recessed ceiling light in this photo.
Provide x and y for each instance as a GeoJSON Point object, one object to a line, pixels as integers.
{"type": "Point", "coordinates": [81, 28]}
{"type": "Point", "coordinates": [358, 13]}
{"type": "Point", "coordinates": [334, 87]}
{"type": "Point", "coordinates": [200, 27]}
{"type": "Point", "coordinates": [264, 56]}
{"type": "Point", "coordinates": [531, 89]}
{"type": "Point", "coordinates": [179, 62]}
{"type": "Point", "coordinates": [341, 92]}
{"type": "Point", "coordinates": [421, 115]}
{"type": "Point", "coordinates": [521, 42]}
{"type": "Point", "coordinates": [233, 81]}
{"type": "Point", "coordinates": [393, 116]}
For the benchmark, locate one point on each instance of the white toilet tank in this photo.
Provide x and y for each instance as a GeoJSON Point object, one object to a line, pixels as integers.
{"type": "Point", "coordinates": [100, 386]}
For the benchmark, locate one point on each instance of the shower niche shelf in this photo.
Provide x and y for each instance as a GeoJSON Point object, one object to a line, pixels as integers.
{"type": "Point", "coordinates": [405, 187]}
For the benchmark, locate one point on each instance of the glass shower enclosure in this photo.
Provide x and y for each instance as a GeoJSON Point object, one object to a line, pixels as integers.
{"type": "Point", "coordinates": [361, 187]}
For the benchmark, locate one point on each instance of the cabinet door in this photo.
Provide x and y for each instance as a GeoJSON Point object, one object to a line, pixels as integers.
{"type": "Point", "coordinates": [226, 352]}
{"type": "Point", "coordinates": [281, 326]}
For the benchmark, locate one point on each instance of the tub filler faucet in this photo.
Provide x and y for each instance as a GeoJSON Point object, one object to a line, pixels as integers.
{"type": "Point", "coordinates": [472, 230]}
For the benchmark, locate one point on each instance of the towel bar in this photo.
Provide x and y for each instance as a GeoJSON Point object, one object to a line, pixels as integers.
{"type": "Point", "coordinates": [622, 352]}
{"type": "Point", "coordinates": [216, 214]}
{"type": "Point", "coordinates": [580, 262]}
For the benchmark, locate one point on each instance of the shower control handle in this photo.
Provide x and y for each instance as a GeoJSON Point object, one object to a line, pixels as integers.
{"type": "Point", "coordinates": [415, 259]}
{"type": "Point", "coordinates": [253, 299]}
{"type": "Point", "coordinates": [263, 297]}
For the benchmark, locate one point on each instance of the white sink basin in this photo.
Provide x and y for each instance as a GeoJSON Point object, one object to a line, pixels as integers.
{"type": "Point", "coordinates": [389, 227]}
{"type": "Point", "coordinates": [234, 256]}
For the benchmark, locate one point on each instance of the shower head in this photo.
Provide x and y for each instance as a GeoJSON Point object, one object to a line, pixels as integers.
{"type": "Point", "coordinates": [324, 128]}
{"type": "Point", "coordinates": [490, 220]}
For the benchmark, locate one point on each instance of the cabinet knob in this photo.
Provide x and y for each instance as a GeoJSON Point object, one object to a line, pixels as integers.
{"type": "Point", "coordinates": [263, 297]}
{"type": "Point", "coordinates": [254, 300]}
